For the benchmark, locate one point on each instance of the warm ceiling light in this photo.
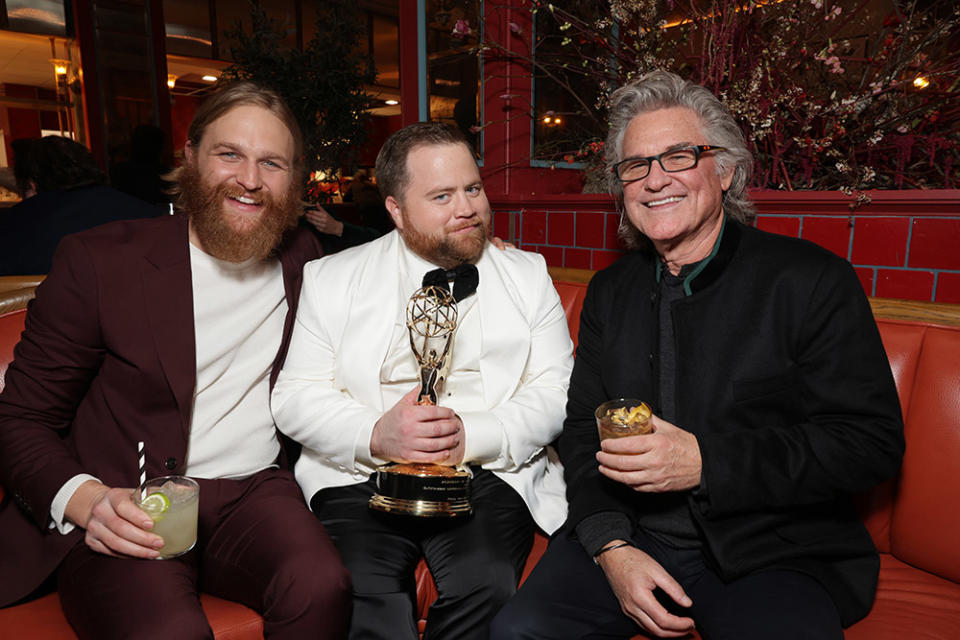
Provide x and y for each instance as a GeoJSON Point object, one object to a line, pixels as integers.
{"type": "Point", "coordinates": [391, 102]}
{"type": "Point", "coordinates": [546, 119]}
{"type": "Point", "coordinates": [210, 78]}
{"type": "Point", "coordinates": [556, 121]}
{"type": "Point", "coordinates": [171, 80]}
{"type": "Point", "coordinates": [920, 82]}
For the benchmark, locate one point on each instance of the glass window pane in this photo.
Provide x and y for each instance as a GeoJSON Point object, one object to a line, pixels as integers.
{"type": "Point", "coordinates": [563, 124]}
{"type": "Point", "coordinates": [453, 69]}
{"type": "Point", "coordinates": [386, 49]}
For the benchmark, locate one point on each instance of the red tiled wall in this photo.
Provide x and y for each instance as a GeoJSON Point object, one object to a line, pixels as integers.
{"type": "Point", "coordinates": [567, 236]}
{"type": "Point", "coordinates": [902, 245]}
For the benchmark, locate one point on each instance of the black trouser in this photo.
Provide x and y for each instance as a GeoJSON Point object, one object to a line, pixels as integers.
{"type": "Point", "coordinates": [567, 596]}
{"type": "Point", "coordinates": [475, 561]}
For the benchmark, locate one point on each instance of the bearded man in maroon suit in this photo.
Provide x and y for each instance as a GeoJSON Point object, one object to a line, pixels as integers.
{"type": "Point", "coordinates": [171, 331]}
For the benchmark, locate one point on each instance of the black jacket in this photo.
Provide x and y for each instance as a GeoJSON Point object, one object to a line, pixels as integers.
{"type": "Point", "coordinates": [782, 377]}
{"type": "Point", "coordinates": [31, 230]}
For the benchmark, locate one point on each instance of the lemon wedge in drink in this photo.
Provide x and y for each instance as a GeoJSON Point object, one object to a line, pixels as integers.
{"type": "Point", "coordinates": [155, 504]}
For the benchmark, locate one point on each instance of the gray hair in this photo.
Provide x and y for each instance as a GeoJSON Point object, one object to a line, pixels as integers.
{"type": "Point", "coordinates": [663, 90]}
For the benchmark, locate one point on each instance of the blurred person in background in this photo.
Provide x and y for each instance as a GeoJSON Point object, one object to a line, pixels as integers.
{"type": "Point", "coordinates": [64, 192]}
{"type": "Point", "coordinates": [142, 175]}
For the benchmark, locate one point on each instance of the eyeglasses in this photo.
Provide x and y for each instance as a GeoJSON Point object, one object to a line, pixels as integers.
{"type": "Point", "coordinates": [672, 161]}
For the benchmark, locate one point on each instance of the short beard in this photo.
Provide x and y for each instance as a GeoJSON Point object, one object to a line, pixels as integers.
{"type": "Point", "coordinates": [204, 205]}
{"type": "Point", "coordinates": [445, 252]}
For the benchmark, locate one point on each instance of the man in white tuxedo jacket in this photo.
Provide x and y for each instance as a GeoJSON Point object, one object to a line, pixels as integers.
{"type": "Point", "coordinates": [349, 388]}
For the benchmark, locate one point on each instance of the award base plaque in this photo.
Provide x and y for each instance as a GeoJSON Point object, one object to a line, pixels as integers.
{"type": "Point", "coordinates": [425, 490]}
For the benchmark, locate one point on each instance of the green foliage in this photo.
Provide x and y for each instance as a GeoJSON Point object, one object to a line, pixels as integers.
{"type": "Point", "coordinates": [323, 84]}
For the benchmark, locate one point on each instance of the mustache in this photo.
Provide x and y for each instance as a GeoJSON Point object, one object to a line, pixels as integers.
{"type": "Point", "coordinates": [469, 225]}
{"type": "Point", "coordinates": [236, 191]}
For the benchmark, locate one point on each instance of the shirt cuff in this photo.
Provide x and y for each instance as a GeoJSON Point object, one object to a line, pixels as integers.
{"type": "Point", "coordinates": [484, 437]}
{"type": "Point", "coordinates": [598, 529]}
{"type": "Point", "coordinates": [59, 505]}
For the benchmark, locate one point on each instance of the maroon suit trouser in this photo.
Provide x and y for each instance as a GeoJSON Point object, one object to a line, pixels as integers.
{"type": "Point", "coordinates": [257, 544]}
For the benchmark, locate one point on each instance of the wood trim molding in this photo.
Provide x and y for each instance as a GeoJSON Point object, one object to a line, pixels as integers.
{"type": "Point", "coordinates": [931, 202]}
{"type": "Point", "coordinates": [15, 299]}
{"type": "Point", "coordinates": [941, 313]}
{"type": "Point", "coordinates": [17, 291]}
{"type": "Point", "coordinates": [916, 311]}
{"type": "Point", "coordinates": [569, 274]}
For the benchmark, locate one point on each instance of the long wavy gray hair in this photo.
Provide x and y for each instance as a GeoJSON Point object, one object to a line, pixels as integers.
{"type": "Point", "coordinates": [663, 90]}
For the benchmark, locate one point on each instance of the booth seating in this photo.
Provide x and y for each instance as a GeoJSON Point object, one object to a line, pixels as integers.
{"type": "Point", "coordinates": [914, 519]}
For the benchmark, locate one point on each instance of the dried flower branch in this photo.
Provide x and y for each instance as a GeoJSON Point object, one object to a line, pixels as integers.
{"type": "Point", "coordinates": [832, 94]}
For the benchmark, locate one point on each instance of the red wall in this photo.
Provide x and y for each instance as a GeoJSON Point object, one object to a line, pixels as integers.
{"type": "Point", "coordinates": [903, 244]}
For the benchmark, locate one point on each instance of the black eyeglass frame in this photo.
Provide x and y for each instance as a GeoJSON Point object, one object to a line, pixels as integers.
{"type": "Point", "coordinates": [697, 151]}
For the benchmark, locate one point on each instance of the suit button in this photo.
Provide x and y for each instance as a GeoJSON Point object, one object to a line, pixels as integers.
{"type": "Point", "coordinates": [170, 463]}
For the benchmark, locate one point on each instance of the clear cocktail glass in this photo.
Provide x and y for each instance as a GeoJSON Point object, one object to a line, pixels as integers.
{"type": "Point", "coordinates": [172, 501]}
{"type": "Point", "coordinates": [623, 417]}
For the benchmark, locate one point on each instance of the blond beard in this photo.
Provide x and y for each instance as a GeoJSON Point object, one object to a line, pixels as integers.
{"type": "Point", "coordinates": [443, 251]}
{"type": "Point", "coordinates": [204, 204]}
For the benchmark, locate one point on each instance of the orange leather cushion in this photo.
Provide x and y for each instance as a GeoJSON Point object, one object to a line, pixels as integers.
{"type": "Point", "coordinates": [902, 343]}
{"type": "Point", "coordinates": [926, 518]}
{"type": "Point", "coordinates": [910, 604]}
{"type": "Point", "coordinates": [571, 297]}
{"type": "Point", "coordinates": [42, 619]}
{"type": "Point", "coordinates": [231, 620]}
{"type": "Point", "coordinates": [11, 326]}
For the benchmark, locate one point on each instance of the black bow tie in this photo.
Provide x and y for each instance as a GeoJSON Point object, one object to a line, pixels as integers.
{"type": "Point", "coordinates": [465, 279]}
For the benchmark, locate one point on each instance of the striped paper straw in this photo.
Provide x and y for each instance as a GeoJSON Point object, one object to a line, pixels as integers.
{"type": "Point", "coordinates": [143, 471]}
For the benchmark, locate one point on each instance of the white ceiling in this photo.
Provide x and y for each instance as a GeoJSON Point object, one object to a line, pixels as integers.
{"type": "Point", "coordinates": [25, 59]}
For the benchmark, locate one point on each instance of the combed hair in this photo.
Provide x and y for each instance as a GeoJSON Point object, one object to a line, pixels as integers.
{"type": "Point", "coordinates": [56, 163]}
{"type": "Point", "coordinates": [236, 94]}
{"type": "Point", "coordinates": [663, 90]}
{"type": "Point", "coordinates": [391, 167]}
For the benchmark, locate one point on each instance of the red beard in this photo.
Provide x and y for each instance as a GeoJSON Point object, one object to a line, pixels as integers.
{"type": "Point", "coordinates": [204, 204]}
{"type": "Point", "coordinates": [445, 251]}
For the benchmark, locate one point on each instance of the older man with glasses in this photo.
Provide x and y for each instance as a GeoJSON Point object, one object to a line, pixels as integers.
{"type": "Point", "coordinates": [772, 402]}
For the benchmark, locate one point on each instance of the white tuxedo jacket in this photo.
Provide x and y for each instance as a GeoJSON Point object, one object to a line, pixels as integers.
{"type": "Point", "coordinates": [328, 395]}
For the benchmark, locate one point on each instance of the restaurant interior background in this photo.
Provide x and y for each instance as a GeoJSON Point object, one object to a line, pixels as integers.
{"type": "Point", "coordinates": [95, 69]}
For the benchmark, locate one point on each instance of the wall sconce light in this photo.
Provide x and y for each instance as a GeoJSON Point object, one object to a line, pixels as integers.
{"type": "Point", "coordinates": [171, 80]}
{"type": "Point", "coordinates": [60, 68]}
{"type": "Point", "coordinates": [921, 82]}
{"type": "Point", "coordinates": [552, 121]}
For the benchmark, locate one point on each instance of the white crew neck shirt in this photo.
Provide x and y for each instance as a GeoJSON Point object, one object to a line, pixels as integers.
{"type": "Point", "coordinates": [238, 312]}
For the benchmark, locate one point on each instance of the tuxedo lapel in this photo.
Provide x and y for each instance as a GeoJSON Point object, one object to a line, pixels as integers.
{"type": "Point", "coordinates": [168, 301]}
{"type": "Point", "coordinates": [369, 324]}
{"type": "Point", "coordinates": [501, 360]}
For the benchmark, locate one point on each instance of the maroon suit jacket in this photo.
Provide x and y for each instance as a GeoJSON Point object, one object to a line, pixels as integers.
{"type": "Point", "coordinates": [107, 359]}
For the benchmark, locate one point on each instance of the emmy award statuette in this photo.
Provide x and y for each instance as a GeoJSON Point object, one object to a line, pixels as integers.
{"type": "Point", "coordinates": [426, 490]}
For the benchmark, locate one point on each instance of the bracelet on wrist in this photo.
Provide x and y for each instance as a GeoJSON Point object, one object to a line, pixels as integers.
{"type": "Point", "coordinates": [610, 547]}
